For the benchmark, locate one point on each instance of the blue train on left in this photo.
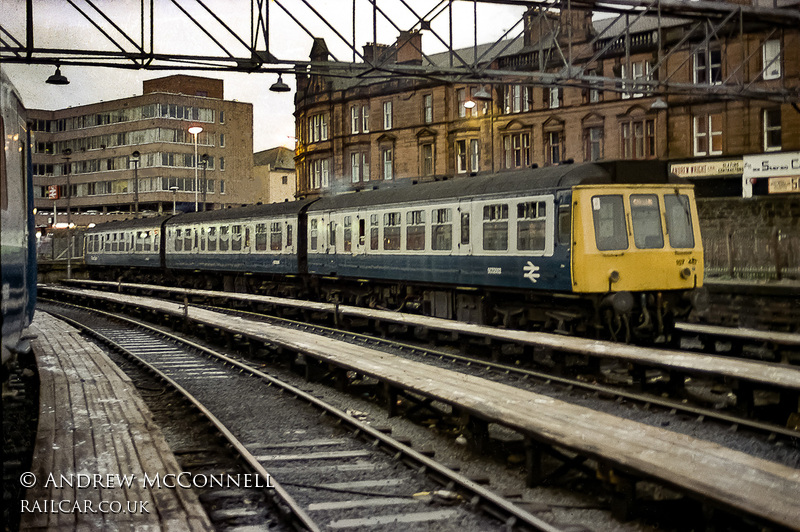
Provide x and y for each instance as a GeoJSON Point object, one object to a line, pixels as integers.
{"type": "Point", "coordinates": [18, 259]}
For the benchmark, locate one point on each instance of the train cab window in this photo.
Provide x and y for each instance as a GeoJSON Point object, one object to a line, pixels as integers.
{"type": "Point", "coordinates": [531, 219]}
{"type": "Point", "coordinates": [187, 240]}
{"type": "Point", "coordinates": [236, 238]}
{"type": "Point", "coordinates": [374, 232]}
{"type": "Point", "coordinates": [679, 221]}
{"type": "Point", "coordinates": [347, 238]}
{"type": "Point", "coordinates": [495, 227]}
{"type": "Point", "coordinates": [442, 229]}
{"type": "Point", "coordinates": [313, 236]}
{"type": "Point", "coordinates": [261, 237]}
{"type": "Point", "coordinates": [178, 240]}
{"type": "Point", "coordinates": [212, 238]}
{"type": "Point", "coordinates": [610, 232]}
{"type": "Point", "coordinates": [464, 228]}
{"type": "Point", "coordinates": [275, 236]}
{"type": "Point", "coordinates": [391, 231]}
{"type": "Point", "coordinates": [646, 219]}
{"type": "Point", "coordinates": [224, 238]}
{"type": "Point", "coordinates": [564, 222]}
{"type": "Point", "coordinates": [415, 230]}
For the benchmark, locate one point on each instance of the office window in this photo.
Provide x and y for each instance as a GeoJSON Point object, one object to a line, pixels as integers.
{"type": "Point", "coordinates": [319, 173]}
{"type": "Point", "coordinates": [387, 157]}
{"type": "Point", "coordinates": [554, 97]}
{"type": "Point", "coordinates": [467, 155]}
{"type": "Point", "coordinates": [355, 119]}
{"type": "Point", "coordinates": [772, 129]}
{"type": "Point", "coordinates": [222, 140]}
{"type": "Point", "coordinates": [640, 70]}
{"type": "Point", "coordinates": [708, 134]}
{"type": "Point", "coordinates": [426, 159]}
{"type": "Point", "coordinates": [638, 139]}
{"type": "Point", "coordinates": [708, 66]}
{"type": "Point", "coordinates": [359, 166]}
{"type": "Point", "coordinates": [593, 143]}
{"type": "Point", "coordinates": [318, 127]}
{"type": "Point", "coordinates": [461, 98]}
{"type": "Point", "coordinates": [516, 99]}
{"type": "Point", "coordinates": [387, 115]}
{"type": "Point", "coordinates": [365, 118]}
{"type": "Point", "coordinates": [553, 147]}
{"type": "Point", "coordinates": [517, 150]}
{"type": "Point", "coordinates": [427, 108]}
{"type": "Point", "coordinates": [771, 59]}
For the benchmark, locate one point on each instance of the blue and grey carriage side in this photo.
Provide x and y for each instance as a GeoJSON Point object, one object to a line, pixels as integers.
{"type": "Point", "coordinates": [257, 239]}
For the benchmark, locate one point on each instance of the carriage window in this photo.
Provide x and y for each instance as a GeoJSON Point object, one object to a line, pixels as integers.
{"type": "Point", "coordinates": [362, 231]}
{"type": "Point", "coordinates": [178, 240]}
{"type": "Point", "coordinates": [564, 220]}
{"type": "Point", "coordinates": [224, 238]}
{"type": "Point", "coordinates": [679, 221]}
{"type": "Point", "coordinates": [148, 241]}
{"type": "Point", "coordinates": [156, 241]}
{"type": "Point", "coordinates": [374, 238]}
{"type": "Point", "coordinates": [187, 240]}
{"type": "Point", "coordinates": [415, 230]}
{"type": "Point", "coordinates": [465, 228]}
{"type": "Point", "coordinates": [348, 233]}
{"type": "Point", "coordinates": [495, 227]}
{"type": "Point", "coordinates": [236, 238]}
{"type": "Point", "coordinates": [609, 223]}
{"type": "Point", "coordinates": [332, 234]}
{"type": "Point", "coordinates": [139, 241]}
{"type": "Point", "coordinates": [531, 216]}
{"type": "Point", "coordinates": [289, 235]}
{"type": "Point", "coordinates": [441, 230]}
{"type": "Point", "coordinates": [202, 235]}
{"type": "Point", "coordinates": [212, 238]}
{"type": "Point", "coordinates": [275, 236]}
{"type": "Point", "coordinates": [391, 231]}
{"type": "Point", "coordinates": [261, 237]}
{"type": "Point", "coordinates": [646, 219]}
{"type": "Point", "coordinates": [314, 235]}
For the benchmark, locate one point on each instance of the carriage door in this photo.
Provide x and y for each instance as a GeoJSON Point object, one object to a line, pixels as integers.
{"type": "Point", "coordinates": [466, 235]}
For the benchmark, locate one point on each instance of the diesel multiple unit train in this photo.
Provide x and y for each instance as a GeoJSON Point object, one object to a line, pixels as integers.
{"type": "Point", "coordinates": [17, 229]}
{"type": "Point", "coordinates": [602, 249]}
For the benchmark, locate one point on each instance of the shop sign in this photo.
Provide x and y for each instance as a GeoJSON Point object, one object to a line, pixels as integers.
{"type": "Point", "coordinates": [772, 165]}
{"type": "Point", "coordinates": [728, 167]}
{"type": "Point", "coordinates": [784, 185]}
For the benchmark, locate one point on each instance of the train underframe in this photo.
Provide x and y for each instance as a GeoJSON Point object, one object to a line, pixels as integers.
{"type": "Point", "coordinates": [644, 317]}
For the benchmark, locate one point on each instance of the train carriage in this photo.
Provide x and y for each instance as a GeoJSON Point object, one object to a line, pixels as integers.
{"type": "Point", "coordinates": [125, 244]}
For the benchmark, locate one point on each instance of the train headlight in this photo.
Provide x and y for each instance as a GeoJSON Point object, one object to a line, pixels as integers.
{"type": "Point", "coordinates": [686, 273]}
{"type": "Point", "coordinates": [613, 276]}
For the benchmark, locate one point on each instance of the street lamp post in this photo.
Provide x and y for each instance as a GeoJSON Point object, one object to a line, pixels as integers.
{"type": "Point", "coordinates": [135, 161]}
{"type": "Point", "coordinates": [195, 130]}
{"type": "Point", "coordinates": [204, 162]}
{"type": "Point", "coordinates": [66, 155]}
{"type": "Point", "coordinates": [174, 200]}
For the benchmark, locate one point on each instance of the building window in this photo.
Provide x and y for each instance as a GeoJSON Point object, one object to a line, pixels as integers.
{"type": "Point", "coordinates": [467, 155]}
{"type": "Point", "coordinates": [640, 70]}
{"type": "Point", "coordinates": [461, 99]}
{"type": "Point", "coordinates": [285, 180]}
{"type": "Point", "coordinates": [222, 117]}
{"type": "Point", "coordinates": [319, 175]}
{"type": "Point", "coordinates": [426, 159]}
{"type": "Point", "coordinates": [708, 134]}
{"type": "Point", "coordinates": [365, 118]}
{"type": "Point", "coordinates": [387, 115]}
{"type": "Point", "coordinates": [222, 163]}
{"type": "Point", "coordinates": [359, 167]}
{"type": "Point", "coordinates": [355, 119]}
{"type": "Point", "coordinates": [554, 97]}
{"type": "Point", "coordinates": [638, 139]}
{"type": "Point", "coordinates": [387, 158]}
{"type": "Point", "coordinates": [318, 127]}
{"type": "Point", "coordinates": [427, 108]}
{"type": "Point", "coordinates": [593, 143]}
{"type": "Point", "coordinates": [222, 140]}
{"type": "Point", "coordinates": [772, 129]}
{"type": "Point", "coordinates": [516, 99]}
{"type": "Point", "coordinates": [517, 150]}
{"type": "Point", "coordinates": [708, 66]}
{"type": "Point", "coordinates": [771, 59]}
{"type": "Point", "coordinates": [554, 151]}
{"type": "Point", "coordinates": [594, 91]}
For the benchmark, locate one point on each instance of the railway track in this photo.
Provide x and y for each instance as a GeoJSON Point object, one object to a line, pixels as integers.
{"type": "Point", "coordinates": [322, 467]}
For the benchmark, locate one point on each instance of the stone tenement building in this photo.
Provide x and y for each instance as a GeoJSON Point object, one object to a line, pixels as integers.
{"type": "Point", "coordinates": [94, 148]}
{"type": "Point", "coordinates": [354, 134]}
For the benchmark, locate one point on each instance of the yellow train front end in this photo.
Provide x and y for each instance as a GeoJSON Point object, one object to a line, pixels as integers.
{"type": "Point", "coordinates": [637, 251]}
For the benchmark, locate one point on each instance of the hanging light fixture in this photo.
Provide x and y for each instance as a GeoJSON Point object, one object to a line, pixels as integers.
{"type": "Point", "coordinates": [57, 78]}
{"type": "Point", "coordinates": [482, 95]}
{"type": "Point", "coordinates": [280, 86]}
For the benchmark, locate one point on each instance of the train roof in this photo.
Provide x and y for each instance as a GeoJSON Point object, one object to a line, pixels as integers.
{"type": "Point", "coordinates": [530, 180]}
{"type": "Point", "coordinates": [133, 223]}
{"type": "Point", "coordinates": [239, 213]}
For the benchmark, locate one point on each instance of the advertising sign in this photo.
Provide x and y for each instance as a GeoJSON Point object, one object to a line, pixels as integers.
{"type": "Point", "coordinates": [729, 167]}
{"type": "Point", "coordinates": [782, 171]}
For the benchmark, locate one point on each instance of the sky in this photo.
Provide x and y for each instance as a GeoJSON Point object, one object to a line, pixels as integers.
{"type": "Point", "coordinates": [59, 25]}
